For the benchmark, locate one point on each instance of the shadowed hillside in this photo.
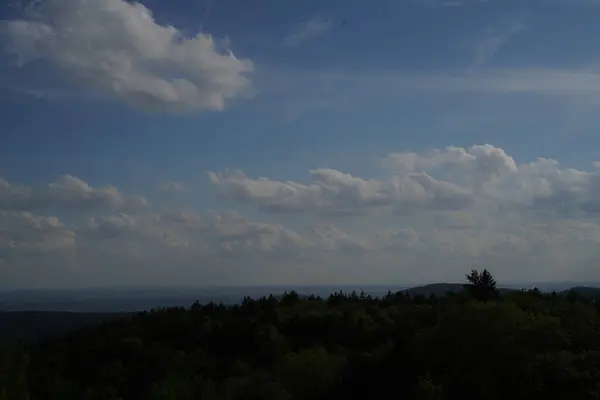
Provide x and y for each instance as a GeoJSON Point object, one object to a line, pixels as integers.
{"type": "Point", "coordinates": [476, 344]}
{"type": "Point", "coordinates": [32, 325]}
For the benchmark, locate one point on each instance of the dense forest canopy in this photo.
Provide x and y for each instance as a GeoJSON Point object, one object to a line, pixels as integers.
{"type": "Point", "coordinates": [476, 344]}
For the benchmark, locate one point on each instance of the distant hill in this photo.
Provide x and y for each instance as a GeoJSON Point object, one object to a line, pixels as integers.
{"type": "Point", "coordinates": [108, 300]}
{"type": "Point", "coordinates": [300, 296]}
{"type": "Point", "coordinates": [442, 289]}
{"type": "Point", "coordinates": [437, 289]}
{"type": "Point", "coordinates": [33, 325]}
{"type": "Point", "coordinates": [584, 291]}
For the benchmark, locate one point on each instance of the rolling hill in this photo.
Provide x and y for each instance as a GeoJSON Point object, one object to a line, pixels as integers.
{"type": "Point", "coordinates": [441, 289]}
{"type": "Point", "coordinates": [33, 325]}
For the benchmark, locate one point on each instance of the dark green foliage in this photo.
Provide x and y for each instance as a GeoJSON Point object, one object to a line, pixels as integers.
{"type": "Point", "coordinates": [13, 368]}
{"type": "Point", "coordinates": [481, 285]}
{"type": "Point", "coordinates": [33, 325]}
{"type": "Point", "coordinates": [477, 344]}
{"type": "Point", "coordinates": [437, 289]}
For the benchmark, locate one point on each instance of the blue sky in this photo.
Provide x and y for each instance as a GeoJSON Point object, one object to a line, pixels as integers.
{"type": "Point", "coordinates": [235, 142]}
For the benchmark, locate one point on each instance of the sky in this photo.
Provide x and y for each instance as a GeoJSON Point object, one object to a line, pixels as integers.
{"type": "Point", "coordinates": [250, 142]}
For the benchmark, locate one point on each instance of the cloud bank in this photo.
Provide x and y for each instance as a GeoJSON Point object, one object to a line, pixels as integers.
{"type": "Point", "coordinates": [66, 193]}
{"type": "Point", "coordinates": [443, 179]}
{"type": "Point", "coordinates": [437, 214]}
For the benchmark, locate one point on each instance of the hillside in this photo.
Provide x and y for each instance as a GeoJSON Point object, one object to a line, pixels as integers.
{"type": "Point", "coordinates": [436, 289]}
{"type": "Point", "coordinates": [33, 325]}
{"type": "Point", "coordinates": [584, 291]}
{"type": "Point", "coordinates": [476, 344]}
{"type": "Point", "coordinates": [442, 289]}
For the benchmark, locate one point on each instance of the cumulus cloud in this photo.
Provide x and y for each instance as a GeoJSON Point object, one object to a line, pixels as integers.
{"type": "Point", "coordinates": [67, 192]}
{"type": "Point", "coordinates": [335, 192]}
{"type": "Point", "coordinates": [13, 195]}
{"type": "Point", "coordinates": [208, 233]}
{"type": "Point", "coordinates": [109, 226]}
{"type": "Point", "coordinates": [334, 239]}
{"type": "Point", "coordinates": [443, 179]}
{"type": "Point", "coordinates": [23, 232]}
{"type": "Point", "coordinates": [484, 160]}
{"type": "Point", "coordinates": [436, 214]}
{"type": "Point", "coordinates": [311, 29]}
{"type": "Point", "coordinates": [220, 234]}
{"type": "Point", "coordinates": [117, 47]}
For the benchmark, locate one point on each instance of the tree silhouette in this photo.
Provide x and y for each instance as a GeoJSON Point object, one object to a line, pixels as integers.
{"type": "Point", "coordinates": [481, 285]}
{"type": "Point", "coordinates": [527, 344]}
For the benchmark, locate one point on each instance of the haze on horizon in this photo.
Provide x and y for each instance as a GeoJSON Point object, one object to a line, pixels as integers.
{"type": "Point", "coordinates": [325, 142]}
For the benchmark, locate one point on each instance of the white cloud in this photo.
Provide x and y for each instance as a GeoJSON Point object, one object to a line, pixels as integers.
{"type": "Point", "coordinates": [311, 29]}
{"type": "Point", "coordinates": [437, 214]}
{"type": "Point", "coordinates": [117, 47]}
{"type": "Point", "coordinates": [68, 192]}
{"type": "Point", "coordinates": [334, 239]}
{"type": "Point", "coordinates": [535, 81]}
{"type": "Point", "coordinates": [296, 92]}
{"type": "Point", "coordinates": [207, 234]}
{"type": "Point", "coordinates": [13, 196]}
{"type": "Point", "coordinates": [220, 234]}
{"type": "Point", "coordinates": [333, 86]}
{"type": "Point", "coordinates": [332, 191]}
{"type": "Point", "coordinates": [479, 163]}
{"type": "Point", "coordinates": [494, 38]}
{"type": "Point", "coordinates": [171, 187]}
{"type": "Point", "coordinates": [528, 3]}
{"type": "Point", "coordinates": [445, 179]}
{"type": "Point", "coordinates": [23, 233]}
{"type": "Point", "coordinates": [110, 226]}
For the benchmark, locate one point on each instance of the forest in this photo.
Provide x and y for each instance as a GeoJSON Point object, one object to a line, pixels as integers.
{"type": "Point", "coordinates": [479, 343]}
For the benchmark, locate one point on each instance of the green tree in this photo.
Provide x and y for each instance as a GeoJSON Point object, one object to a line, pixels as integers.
{"type": "Point", "coordinates": [13, 369]}
{"type": "Point", "coordinates": [481, 285]}
{"type": "Point", "coordinates": [427, 390]}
